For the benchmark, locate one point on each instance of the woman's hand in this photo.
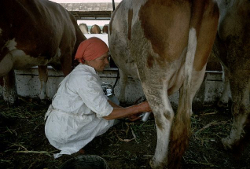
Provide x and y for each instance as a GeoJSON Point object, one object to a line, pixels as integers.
{"type": "Point", "coordinates": [134, 117]}
{"type": "Point", "coordinates": [144, 107]}
{"type": "Point", "coordinates": [119, 112]}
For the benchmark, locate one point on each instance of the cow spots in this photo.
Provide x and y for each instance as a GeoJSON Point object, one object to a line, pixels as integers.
{"type": "Point", "coordinates": [150, 61]}
{"type": "Point", "coordinates": [167, 40]}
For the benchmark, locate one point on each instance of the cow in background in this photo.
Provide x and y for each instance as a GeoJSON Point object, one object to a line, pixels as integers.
{"type": "Point", "coordinates": [232, 47]}
{"type": "Point", "coordinates": [84, 28]}
{"type": "Point", "coordinates": [166, 44]}
{"type": "Point", "coordinates": [95, 29]}
{"type": "Point", "coordinates": [35, 33]}
{"type": "Point", "coordinates": [105, 29]}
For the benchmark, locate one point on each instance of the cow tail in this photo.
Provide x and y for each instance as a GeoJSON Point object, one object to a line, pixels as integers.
{"type": "Point", "coordinates": [79, 38]}
{"type": "Point", "coordinates": [181, 130]}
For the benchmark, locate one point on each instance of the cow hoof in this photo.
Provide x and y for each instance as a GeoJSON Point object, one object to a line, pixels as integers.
{"type": "Point", "coordinates": [222, 105]}
{"type": "Point", "coordinates": [11, 101]}
{"type": "Point", "coordinates": [42, 96]}
{"type": "Point", "coordinates": [226, 142]}
{"type": "Point", "coordinates": [156, 165]}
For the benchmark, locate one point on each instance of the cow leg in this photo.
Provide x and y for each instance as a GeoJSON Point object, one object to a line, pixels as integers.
{"type": "Point", "coordinates": [9, 88]}
{"type": "Point", "coordinates": [66, 63]}
{"type": "Point", "coordinates": [241, 112]}
{"type": "Point", "coordinates": [43, 76]}
{"type": "Point", "coordinates": [223, 102]}
{"type": "Point", "coordinates": [157, 96]}
{"type": "Point", "coordinates": [123, 83]}
{"type": "Point", "coordinates": [1, 81]}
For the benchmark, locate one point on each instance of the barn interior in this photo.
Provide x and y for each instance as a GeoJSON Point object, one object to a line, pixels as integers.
{"type": "Point", "coordinates": [127, 145]}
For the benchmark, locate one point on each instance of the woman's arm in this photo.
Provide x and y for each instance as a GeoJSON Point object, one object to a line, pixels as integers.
{"type": "Point", "coordinates": [114, 105]}
{"type": "Point", "coordinates": [120, 112]}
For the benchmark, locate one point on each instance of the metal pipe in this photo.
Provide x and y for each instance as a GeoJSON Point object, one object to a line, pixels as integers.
{"type": "Point", "coordinates": [113, 3]}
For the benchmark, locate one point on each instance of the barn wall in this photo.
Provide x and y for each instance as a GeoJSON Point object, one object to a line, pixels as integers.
{"type": "Point", "coordinates": [28, 85]}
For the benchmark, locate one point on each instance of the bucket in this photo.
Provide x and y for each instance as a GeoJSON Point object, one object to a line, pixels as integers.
{"type": "Point", "coordinates": [85, 162]}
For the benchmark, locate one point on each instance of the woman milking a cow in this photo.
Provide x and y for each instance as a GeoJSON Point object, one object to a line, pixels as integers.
{"type": "Point", "coordinates": [80, 110]}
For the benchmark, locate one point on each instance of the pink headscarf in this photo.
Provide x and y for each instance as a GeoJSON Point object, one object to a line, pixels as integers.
{"type": "Point", "coordinates": [91, 49]}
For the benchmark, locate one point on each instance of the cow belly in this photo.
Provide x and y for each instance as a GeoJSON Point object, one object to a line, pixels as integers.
{"type": "Point", "coordinates": [23, 61]}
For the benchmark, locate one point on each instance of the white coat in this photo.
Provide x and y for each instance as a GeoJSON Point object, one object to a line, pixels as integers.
{"type": "Point", "coordinates": [75, 116]}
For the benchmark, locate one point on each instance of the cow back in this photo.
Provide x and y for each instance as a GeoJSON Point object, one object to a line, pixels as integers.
{"type": "Point", "coordinates": [95, 29]}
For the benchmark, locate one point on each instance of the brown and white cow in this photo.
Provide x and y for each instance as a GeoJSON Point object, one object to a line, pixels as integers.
{"type": "Point", "coordinates": [35, 33]}
{"type": "Point", "coordinates": [232, 47]}
{"type": "Point", "coordinates": [95, 29]}
{"type": "Point", "coordinates": [166, 44]}
{"type": "Point", "coordinates": [84, 28]}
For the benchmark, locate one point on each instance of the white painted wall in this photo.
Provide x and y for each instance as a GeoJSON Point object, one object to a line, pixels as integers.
{"type": "Point", "coordinates": [28, 85]}
{"type": "Point", "coordinates": [85, 1]}
{"type": "Point", "coordinates": [103, 37]}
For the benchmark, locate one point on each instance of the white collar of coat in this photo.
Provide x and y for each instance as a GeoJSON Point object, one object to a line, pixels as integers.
{"type": "Point", "coordinates": [87, 67]}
